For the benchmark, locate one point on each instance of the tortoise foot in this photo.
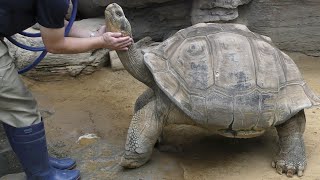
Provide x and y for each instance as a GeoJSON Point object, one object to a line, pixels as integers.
{"type": "Point", "coordinates": [291, 159]}
{"type": "Point", "coordinates": [132, 160]}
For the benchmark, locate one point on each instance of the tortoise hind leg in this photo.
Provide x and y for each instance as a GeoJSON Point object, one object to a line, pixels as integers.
{"type": "Point", "coordinates": [144, 130]}
{"type": "Point", "coordinates": [291, 158]}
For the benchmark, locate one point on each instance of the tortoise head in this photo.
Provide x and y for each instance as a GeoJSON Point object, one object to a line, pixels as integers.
{"type": "Point", "coordinates": [116, 21]}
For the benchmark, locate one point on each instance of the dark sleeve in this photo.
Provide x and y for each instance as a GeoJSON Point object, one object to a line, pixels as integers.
{"type": "Point", "coordinates": [51, 13]}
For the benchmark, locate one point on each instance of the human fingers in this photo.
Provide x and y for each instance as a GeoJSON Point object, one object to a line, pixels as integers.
{"type": "Point", "coordinates": [125, 44]}
{"type": "Point", "coordinates": [120, 40]}
{"type": "Point", "coordinates": [115, 34]}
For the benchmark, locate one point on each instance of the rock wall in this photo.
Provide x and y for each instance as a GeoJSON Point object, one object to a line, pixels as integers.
{"type": "Point", "coordinates": [215, 10]}
{"type": "Point", "coordinates": [159, 21]}
{"type": "Point", "coordinates": [294, 25]}
{"type": "Point", "coordinates": [160, 18]}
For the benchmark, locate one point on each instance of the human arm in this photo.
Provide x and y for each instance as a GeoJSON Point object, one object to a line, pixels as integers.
{"type": "Point", "coordinates": [56, 43]}
{"type": "Point", "coordinates": [77, 31]}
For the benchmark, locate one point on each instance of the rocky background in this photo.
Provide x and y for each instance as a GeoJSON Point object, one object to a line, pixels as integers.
{"type": "Point", "coordinates": [292, 25]}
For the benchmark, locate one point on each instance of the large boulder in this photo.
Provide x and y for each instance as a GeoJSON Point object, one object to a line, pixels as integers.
{"type": "Point", "coordinates": [229, 4]}
{"type": "Point", "coordinates": [293, 25]}
{"type": "Point", "coordinates": [58, 66]}
{"type": "Point", "coordinates": [214, 11]}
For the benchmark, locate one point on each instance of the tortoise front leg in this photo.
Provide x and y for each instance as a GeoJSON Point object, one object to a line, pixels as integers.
{"type": "Point", "coordinates": [144, 130]}
{"type": "Point", "coordinates": [292, 157]}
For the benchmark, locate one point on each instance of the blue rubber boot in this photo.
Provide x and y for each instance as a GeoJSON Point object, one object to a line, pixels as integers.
{"type": "Point", "coordinates": [63, 163]}
{"type": "Point", "coordinates": [29, 143]}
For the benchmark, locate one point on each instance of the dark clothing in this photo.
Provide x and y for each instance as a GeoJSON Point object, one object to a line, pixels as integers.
{"type": "Point", "coordinates": [18, 15]}
{"type": "Point", "coordinates": [18, 107]}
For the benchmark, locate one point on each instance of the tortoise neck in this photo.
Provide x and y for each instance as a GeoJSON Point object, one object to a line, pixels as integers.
{"type": "Point", "coordinates": [132, 61]}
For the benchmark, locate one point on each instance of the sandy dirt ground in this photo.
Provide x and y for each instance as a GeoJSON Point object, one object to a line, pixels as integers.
{"type": "Point", "coordinates": [102, 104]}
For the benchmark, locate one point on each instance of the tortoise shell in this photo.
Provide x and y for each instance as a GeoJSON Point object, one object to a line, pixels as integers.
{"type": "Point", "coordinates": [227, 76]}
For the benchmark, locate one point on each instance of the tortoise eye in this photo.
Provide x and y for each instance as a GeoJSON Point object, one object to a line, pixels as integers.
{"type": "Point", "coordinates": [118, 13]}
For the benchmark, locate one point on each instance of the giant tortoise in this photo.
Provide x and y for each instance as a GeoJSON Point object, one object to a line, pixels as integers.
{"type": "Point", "coordinates": [221, 77]}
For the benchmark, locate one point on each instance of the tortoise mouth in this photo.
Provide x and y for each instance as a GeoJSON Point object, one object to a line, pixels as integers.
{"type": "Point", "coordinates": [116, 21]}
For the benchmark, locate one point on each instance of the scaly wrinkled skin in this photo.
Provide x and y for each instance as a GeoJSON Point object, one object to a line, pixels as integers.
{"type": "Point", "coordinates": [142, 135]}
{"type": "Point", "coordinates": [146, 125]}
{"type": "Point", "coordinates": [145, 129]}
{"type": "Point", "coordinates": [292, 157]}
